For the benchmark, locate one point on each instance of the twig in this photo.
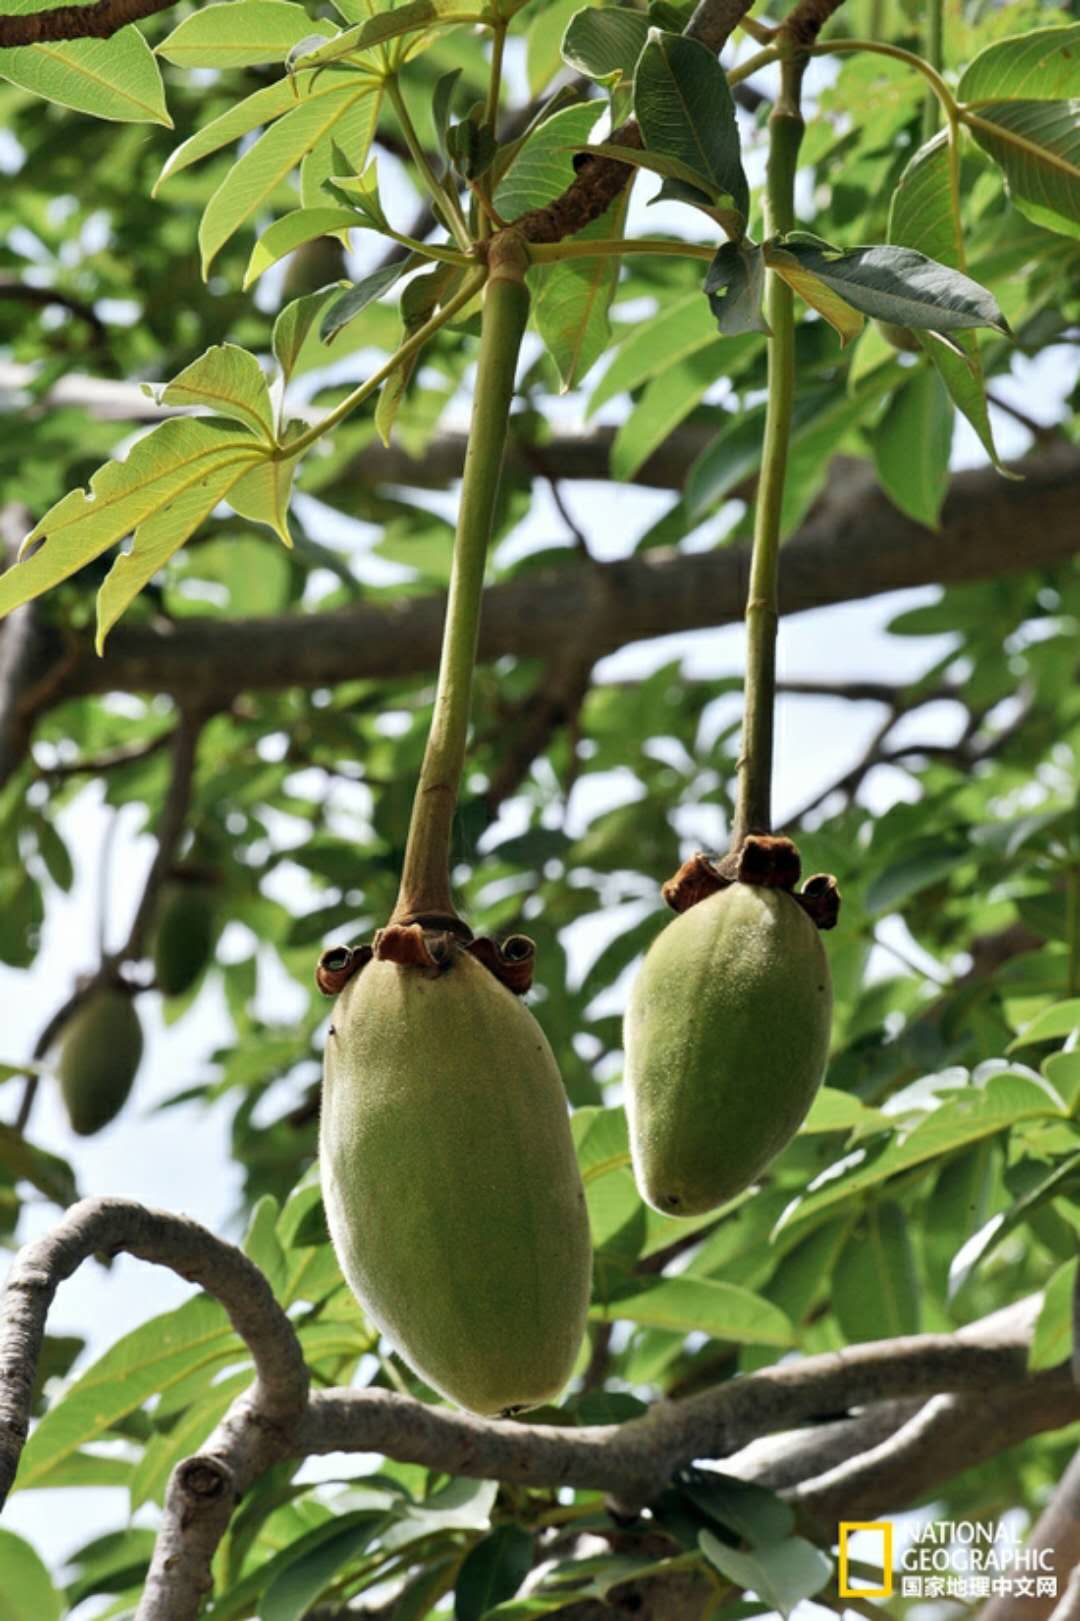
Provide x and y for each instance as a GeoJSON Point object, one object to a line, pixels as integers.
{"type": "Point", "coordinates": [96, 765]}
{"type": "Point", "coordinates": [170, 829]}
{"type": "Point", "coordinates": [554, 703]}
{"type": "Point", "coordinates": [47, 297]}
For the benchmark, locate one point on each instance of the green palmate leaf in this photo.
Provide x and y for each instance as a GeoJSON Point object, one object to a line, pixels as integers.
{"type": "Point", "coordinates": [970, 1256]}
{"type": "Point", "coordinates": [362, 190]}
{"type": "Point", "coordinates": [27, 1588]}
{"type": "Point", "coordinates": [411, 18]}
{"type": "Point", "coordinates": [420, 298]}
{"type": "Point", "coordinates": [677, 330]}
{"type": "Point", "coordinates": [917, 866]}
{"type": "Point", "coordinates": [925, 215]}
{"type": "Point", "coordinates": [289, 232]}
{"type": "Point", "coordinates": [295, 325]}
{"type": "Point", "coordinates": [342, 1538]}
{"type": "Point", "coordinates": [230, 381]}
{"type": "Point", "coordinates": [262, 107]}
{"type": "Point", "coordinates": [970, 1115]}
{"type": "Point", "coordinates": [1041, 65]}
{"type": "Point", "coordinates": [846, 322]}
{"type": "Point", "coordinates": [344, 116]}
{"type": "Point", "coordinates": [295, 1588]}
{"type": "Point", "coordinates": [683, 104]}
{"type": "Point", "coordinates": [172, 463]}
{"type": "Point", "coordinates": [150, 1359]}
{"type": "Point", "coordinates": [238, 33]}
{"type": "Point", "coordinates": [358, 297]}
{"type": "Point", "coordinates": [1037, 145]}
{"type": "Point", "coordinates": [912, 444]}
{"type": "Point", "coordinates": [23, 1161]}
{"type": "Point", "coordinates": [670, 397]}
{"type": "Point", "coordinates": [261, 494]}
{"type": "Point", "coordinates": [163, 531]}
{"type": "Point", "coordinates": [572, 300]}
{"type": "Point", "coordinates": [116, 79]}
{"type": "Point", "coordinates": [1050, 1025]}
{"type": "Point", "coordinates": [542, 168]}
{"type": "Point", "coordinates": [493, 1571]}
{"type": "Point", "coordinates": [700, 1305]}
{"type": "Point", "coordinates": [441, 103]}
{"type": "Point", "coordinates": [902, 286]}
{"type": "Point", "coordinates": [1052, 1342]}
{"type": "Point", "coordinates": [782, 1574]}
{"type": "Point", "coordinates": [601, 1140]}
{"type": "Point", "coordinates": [86, 1469]}
{"type": "Point", "coordinates": [605, 43]}
{"type": "Point", "coordinates": [734, 287]}
{"type": "Point", "coordinates": [875, 1283]}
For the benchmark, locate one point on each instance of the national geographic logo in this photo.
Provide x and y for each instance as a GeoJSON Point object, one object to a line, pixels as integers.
{"type": "Point", "coordinates": [876, 1551]}
{"type": "Point", "coordinates": [959, 1559]}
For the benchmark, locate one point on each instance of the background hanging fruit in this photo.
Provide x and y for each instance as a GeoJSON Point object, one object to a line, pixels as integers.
{"type": "Point", "coordinates": [99, 1056]}
{"type": "Point", "coordinates": [184, 937]}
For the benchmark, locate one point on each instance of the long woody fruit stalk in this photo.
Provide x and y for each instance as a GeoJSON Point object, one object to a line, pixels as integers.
{"type": "Point", "coordinates": [727, 1028]}
{"type": "Point", "coordinates": [451, 1186]}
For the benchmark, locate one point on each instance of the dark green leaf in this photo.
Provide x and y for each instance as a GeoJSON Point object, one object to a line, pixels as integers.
{"type": "Point", "coordinates": [493, 1571]}
{"type": "Point", "coordinates": [684, 107]}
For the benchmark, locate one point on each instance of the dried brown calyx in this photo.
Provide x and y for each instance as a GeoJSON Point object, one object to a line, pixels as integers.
{"type": "Point", "coordinates": [511, 961]}
{"type": "Point", "coordinates": [767, 860]}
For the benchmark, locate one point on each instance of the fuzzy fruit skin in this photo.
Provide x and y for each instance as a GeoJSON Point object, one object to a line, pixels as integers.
{"type": "Point", "coordinates": [183, 939]}
{"type": "Point", "coordinates": [99, 1056]}
{"type": "Point", "coordinates": [726, 1037]}
{"type": "Point", "coordinates": [451, 1187]}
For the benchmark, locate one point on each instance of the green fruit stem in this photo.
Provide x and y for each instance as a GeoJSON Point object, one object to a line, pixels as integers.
{"type": "Point", "coordinates": [425, 878]}
{"type": "Point", "coordinates": [753, 803]}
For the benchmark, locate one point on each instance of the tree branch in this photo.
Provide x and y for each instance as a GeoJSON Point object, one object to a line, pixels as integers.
{"type": "Point", "coordinates": [1056, 1532]}
{"type": "Point", "coordinates": [113, 1227]}
{"type": "Point", "coordinates": [837, 557]}
{"type": "Point", "coordinates": [98, 21]}
{"type": "Point", "coordinates": [946, 1435]}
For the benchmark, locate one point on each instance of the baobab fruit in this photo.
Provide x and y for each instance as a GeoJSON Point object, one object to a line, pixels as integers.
{"type": "Point", "coordinates": [726, 1037]}
{"type": "Point", "coordinates": [100, 1050]}
{"type": "Point", "coordinates": [184, 937]}
{"type": "Point", "coordinates": [451, 1187]}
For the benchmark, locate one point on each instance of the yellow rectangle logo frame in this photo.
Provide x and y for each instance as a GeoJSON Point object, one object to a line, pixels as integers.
{"type": "Point", "coordinates": [847, 1528]}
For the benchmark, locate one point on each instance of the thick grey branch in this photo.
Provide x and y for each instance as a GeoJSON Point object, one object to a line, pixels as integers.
{"type": "Point", "coordinates": [844, 554]}
{"type": "Point", "coordinates": [634, 1460]}
{"type": "Point", "coordinates": [947, 1434]}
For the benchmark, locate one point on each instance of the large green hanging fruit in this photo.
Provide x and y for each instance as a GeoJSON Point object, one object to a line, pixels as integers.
{"type": "Point", "coordinates": [727, 1035]}
{"type": "Point", "coordinates": [452, 1191]}
{"type": "Point", "coordinates": [99, 1055]}
{"type": "Point", "coordinates": [184, 937]}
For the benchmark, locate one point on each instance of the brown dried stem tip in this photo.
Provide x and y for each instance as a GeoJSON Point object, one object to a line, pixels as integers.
{"type": "Point", "coordinates": [767, 860]}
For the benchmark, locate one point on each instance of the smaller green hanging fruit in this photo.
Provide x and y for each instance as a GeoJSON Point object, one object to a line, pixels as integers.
{"type": "Point", "coordinates": [184, 937]}
{"type": "Point", "coordinates": [100, 1052]}
{"type": "Point", "coordinates": [726, 1037]}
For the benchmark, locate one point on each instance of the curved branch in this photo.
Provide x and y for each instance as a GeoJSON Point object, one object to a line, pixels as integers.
{"type": "Point", "coordinates": [122, 1226]}
{"type": "Point", "coordinates": [1057, 1532]}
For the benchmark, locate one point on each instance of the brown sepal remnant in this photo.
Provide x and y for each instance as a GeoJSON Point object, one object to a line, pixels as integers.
{"type": "Point", "coordinates": [695, 881]}
{"type": "Point", "coordinates": [768, 860]}
{"type": "Point", "coordinates": [413, 946]}
{"type": "Point", "coordinates": [820, 900]}
{"type": "Point", "coordinates": [511, 962]}
{"type": "Point", "coordinates": [337, 965]}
